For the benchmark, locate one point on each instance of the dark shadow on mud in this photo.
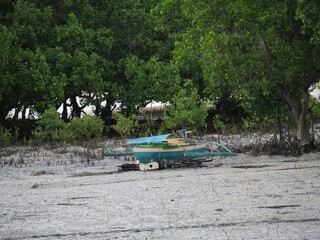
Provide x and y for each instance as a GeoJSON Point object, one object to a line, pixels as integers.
{"type": "Point", "coordinates": [252, 166]}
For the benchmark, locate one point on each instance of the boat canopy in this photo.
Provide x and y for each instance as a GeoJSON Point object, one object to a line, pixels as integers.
{"type": "Point", "coordinates": [148, 140]}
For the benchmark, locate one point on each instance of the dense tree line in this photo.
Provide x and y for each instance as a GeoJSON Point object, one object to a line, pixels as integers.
{"type": "Point", "coordinates": [261, 57]}
{"type": "Point", "coordinates": [56, 51]}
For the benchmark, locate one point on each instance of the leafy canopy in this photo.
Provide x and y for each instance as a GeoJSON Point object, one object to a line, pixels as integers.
{"type": "Point", "coordinates": [188, 110]}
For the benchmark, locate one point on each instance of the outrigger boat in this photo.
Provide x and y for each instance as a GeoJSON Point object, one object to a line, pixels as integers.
{"type": "Point", "coordinates": [162, 151]}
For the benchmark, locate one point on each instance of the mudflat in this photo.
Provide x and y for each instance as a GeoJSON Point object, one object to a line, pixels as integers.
{"type": "Point", "coordinates": [49, 194]}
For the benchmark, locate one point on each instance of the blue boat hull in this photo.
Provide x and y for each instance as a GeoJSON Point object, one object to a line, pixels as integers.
{"type": "Point", "coordinates": [146, 155]}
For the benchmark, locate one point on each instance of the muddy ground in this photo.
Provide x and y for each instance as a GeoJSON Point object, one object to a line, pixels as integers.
{"type": "Point", "coordinates": [63, 194]}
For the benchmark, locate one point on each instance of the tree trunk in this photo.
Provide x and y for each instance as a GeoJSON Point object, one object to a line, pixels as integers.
{"type": "Point", "coordinates": [305, 136]}
{"type": "Point", "coordinates": [105, 112]}
{"type": "Point", "coordinates": [64, 114]}
{"type": "Point", "coordinates": [300, 113]}
{"type": "Point", "coordinates": [23, 114]}
{"type": "Point", "coordinates": [76, 109]}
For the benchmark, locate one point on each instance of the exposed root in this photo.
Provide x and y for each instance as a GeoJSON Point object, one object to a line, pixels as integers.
{"type": "Point", "coordinates": [284, 144]}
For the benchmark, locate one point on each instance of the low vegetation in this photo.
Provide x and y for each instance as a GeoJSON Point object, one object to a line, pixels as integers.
{"type": "Point", "coordinates": [79, 130]}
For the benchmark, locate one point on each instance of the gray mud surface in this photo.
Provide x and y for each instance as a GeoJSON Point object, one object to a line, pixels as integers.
{"type": "Point", "coordinates": [50, 194]}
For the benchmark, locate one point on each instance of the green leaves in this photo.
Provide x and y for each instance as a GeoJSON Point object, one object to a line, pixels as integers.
{"type": "Point", "coordinates": [125, 125]}
{"type": "Point", "coordinates": [150, 80]}
{"type": "Point", "coordinates": [308, 13]}
{"type": "Point", "coordinates": [73, 35]}
{"type": "Point", "coordinates": [87, 128]}
{"type": "Point", "coordinates": [51, 127]}
{"type": "Point", "coordinates": [50, 120]}
{"type": "Point", "coordinates": [187, 110]}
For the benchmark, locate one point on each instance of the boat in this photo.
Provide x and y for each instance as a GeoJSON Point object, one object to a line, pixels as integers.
{"type": "Point", "coordinates": [163, 151]}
